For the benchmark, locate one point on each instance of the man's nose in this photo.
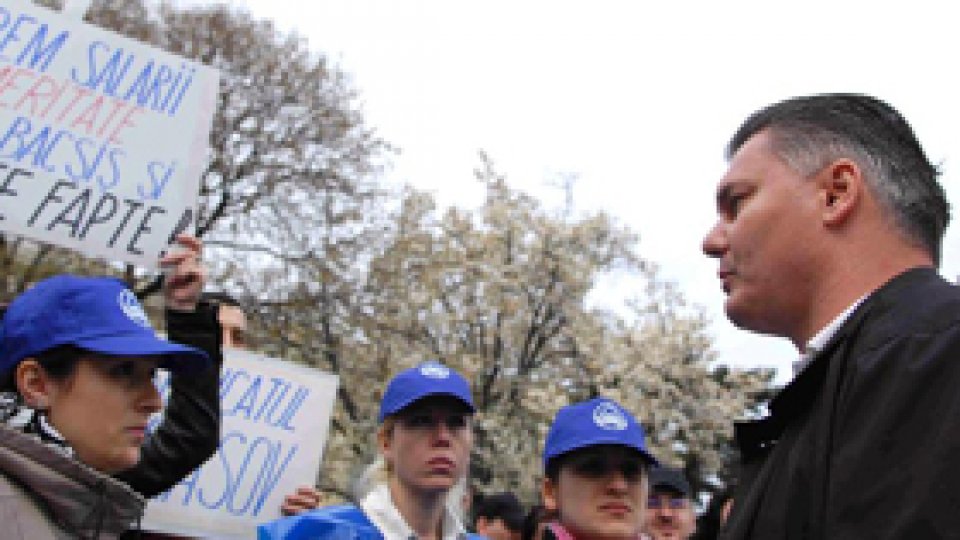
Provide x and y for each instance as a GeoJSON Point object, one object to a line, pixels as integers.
{"type": "Point", "coordinates": [715, 242]}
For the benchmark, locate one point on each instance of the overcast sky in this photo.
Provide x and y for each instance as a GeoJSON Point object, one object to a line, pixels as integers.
{"type": "Point", "coordinates": [635, 98]}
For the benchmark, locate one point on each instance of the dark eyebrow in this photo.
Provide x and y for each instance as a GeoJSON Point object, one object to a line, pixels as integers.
{"type": "Point", "coordinates": [727, 191]}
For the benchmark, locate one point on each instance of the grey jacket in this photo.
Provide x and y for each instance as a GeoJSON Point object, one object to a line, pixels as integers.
{"type": "Point", "coordinates": [47, 495]}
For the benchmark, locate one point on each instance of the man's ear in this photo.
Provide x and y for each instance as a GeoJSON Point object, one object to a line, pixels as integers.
{"type": "Point", "coordinates": [33, 383]}
{"type": "Point", "coordinates": [841, 187]}
{"type": "Point", "coordinates": [548, 492]}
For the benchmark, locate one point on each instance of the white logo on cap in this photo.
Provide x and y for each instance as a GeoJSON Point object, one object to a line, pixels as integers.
{"type": "Point", "coordinates": [609, 416]}
{"type": "Point", "coordinates": [132, 309]}
{"type": "Point", "coordinates": [434, 371]}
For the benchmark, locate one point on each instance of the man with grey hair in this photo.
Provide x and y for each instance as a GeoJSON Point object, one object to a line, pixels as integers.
{"type": "Point", "coordinates": [830, 222]}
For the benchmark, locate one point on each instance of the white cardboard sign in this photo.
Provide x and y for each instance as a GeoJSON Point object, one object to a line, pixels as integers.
{"type": "Point", "coordinates": [276, 417]}
{"type": "Point", "coordinates": [102, 138]}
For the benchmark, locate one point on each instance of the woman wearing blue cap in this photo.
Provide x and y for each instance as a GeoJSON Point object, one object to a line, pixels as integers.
{"type": "Point", "coordinates": [595, 465]}
{"type": "Point", "coordinates": [424, 442]}
{"type": "Point", "coordinates": [77, 358]}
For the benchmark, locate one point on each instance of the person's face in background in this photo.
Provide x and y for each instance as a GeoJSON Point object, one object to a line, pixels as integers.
{"type": "Point", "coordinates": [599, 492]}
{"type": "Point", "coordinates": [234, 325]}
{"type": "Point", "coordinates": [428, 443]}
{"type": "Point", "coordinates": [670, 516]}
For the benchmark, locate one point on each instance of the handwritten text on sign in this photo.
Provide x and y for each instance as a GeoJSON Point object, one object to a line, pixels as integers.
{"type": "Point", "coordinates": [102, 138]}
{"type": "Point", "coordinates": [275, 420]}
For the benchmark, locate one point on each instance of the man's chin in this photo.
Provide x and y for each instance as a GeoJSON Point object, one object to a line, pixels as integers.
{"type": "Point", "coordinates": [737, 315]}
{"type": "Point", "coordinates": [740, 315]}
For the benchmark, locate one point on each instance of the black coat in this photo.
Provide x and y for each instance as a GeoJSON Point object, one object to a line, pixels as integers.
{"type": "Point", "coordinates": [864, 442]}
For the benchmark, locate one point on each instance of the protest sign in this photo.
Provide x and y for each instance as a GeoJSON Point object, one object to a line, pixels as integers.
{"type": "Point", "coordinates": [102, 138]}
{"type": "Point", "coordinates": [275, 421]}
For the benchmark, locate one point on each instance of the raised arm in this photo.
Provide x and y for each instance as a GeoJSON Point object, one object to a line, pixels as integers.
{"type": "Point", "coordinates": [190, 430]}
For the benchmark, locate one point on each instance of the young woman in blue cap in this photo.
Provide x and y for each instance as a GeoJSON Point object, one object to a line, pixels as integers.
{"type": "Point", "coordinates": [424, 442]}
{"type": "Point", "coordinates": [77, 358]}
{"type": "Point", "coordinates": [595, 465]}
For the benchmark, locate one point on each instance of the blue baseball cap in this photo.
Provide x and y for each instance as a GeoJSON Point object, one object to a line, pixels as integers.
{"type": "Point", "coordinates": [427, 379]}
{"type": "Point", "coordinates": [591, 423]}
{"type": "Point", "coordinates": [98, 314]}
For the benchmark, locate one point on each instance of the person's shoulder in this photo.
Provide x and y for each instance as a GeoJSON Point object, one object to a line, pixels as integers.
{"type": "Point", "coordinates": [917, 303]}
{"type": "Point", "coordinates": [907, 330]}
{"type": "Point", "coordinates": [329, 522]}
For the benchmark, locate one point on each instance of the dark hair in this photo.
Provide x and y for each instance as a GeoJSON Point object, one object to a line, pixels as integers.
{"type": "Point", "coordinates": [504, 506]}
{"type": "Point", "coordinates": [809, 132]}
{"type": "Point", "coordinates": [59, 363]}
{"type": "Point", "coordinates": [552, 470]}
{"type": "Point", "coordinates": [538, 514]}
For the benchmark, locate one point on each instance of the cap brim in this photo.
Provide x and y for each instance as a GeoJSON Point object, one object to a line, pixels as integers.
{"type": "Point", "coordinates": [603, 441]}
{"type": "Point", "coordinates": [174, 357]}
{"type": "Point", "coordinates": [439, 393]}
{"type": "Point", "coordinates": [667, 486]}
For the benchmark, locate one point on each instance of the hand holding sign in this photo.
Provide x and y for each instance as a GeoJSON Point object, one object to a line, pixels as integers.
{"type": "Point", "coordinates": [304, 499]}
{"type": "Point", "coordinates": [184, 276]}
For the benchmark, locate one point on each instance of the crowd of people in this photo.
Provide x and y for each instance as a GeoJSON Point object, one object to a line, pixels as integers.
{"type": "Point", "coordinates": [829, 231]}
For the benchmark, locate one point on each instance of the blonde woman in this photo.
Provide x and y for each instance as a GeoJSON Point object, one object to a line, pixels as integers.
{"type": "Point", "coordinates": [412, 490]}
